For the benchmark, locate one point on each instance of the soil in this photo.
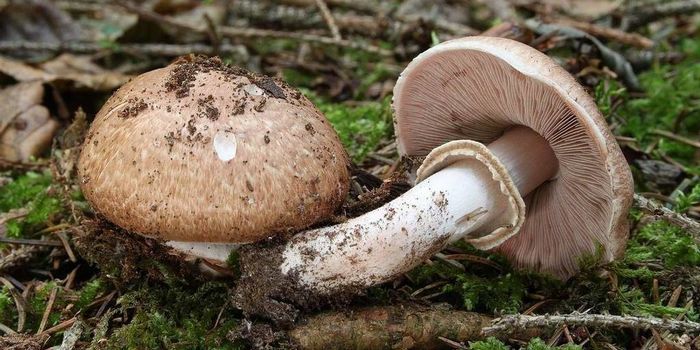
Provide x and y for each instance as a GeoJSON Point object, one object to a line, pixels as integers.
{"type": "Point", "coordinates": [133, 108]}
{"type": "Point", "coordinates": [131, 257]}
{"type": "Point", "coordinates": [183, 76]}
{"type": "Point", "coordinates": [207, 109]}
{"type": "Point", "coordinates": [263, 290]}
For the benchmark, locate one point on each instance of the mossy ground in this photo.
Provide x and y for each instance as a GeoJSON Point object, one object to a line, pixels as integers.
{"type": "Point", "coordinates": [658, 275]}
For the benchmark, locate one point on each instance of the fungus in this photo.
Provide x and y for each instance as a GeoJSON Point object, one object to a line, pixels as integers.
{"type": "Point", "coordinates": [207, 156]}
{"type": "Point", "coordinates": [550, 186]}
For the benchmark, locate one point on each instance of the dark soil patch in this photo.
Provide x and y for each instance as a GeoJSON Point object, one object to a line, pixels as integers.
{"type": "Point", "coordinates": [263, 290]}
{"type": "Point", "coordinates": [184, 74]}
{"type": "Point", "coordinates": [133, 108]}
{"type": "Point", "coordinates": [207, 108]}
{"type": "Point", "coordinates": [129, 258]}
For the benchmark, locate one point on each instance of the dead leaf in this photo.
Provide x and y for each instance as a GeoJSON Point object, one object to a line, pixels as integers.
{"type": "Point", "coordinates": [37, 21]}
{"type": "Point", "coordinates": [22, 72]}
{"type": "Point", "coordinates": [81, 72]}
{"type": "Point", "coordinates": [611, 58]}
{"type": "Point", "coordinates": [23, 341]}
{"type": "Point", "coordinates": [192, 13]}
{"type": "Point", "coordinates": [26, 128]}
{"type": "Point", "coordinates": [66, 70]}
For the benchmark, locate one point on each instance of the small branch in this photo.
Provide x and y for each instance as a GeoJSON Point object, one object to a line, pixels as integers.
{"type": "Point", "coordinates": [633, 39]}
{"type": "Point", "coordinates": [18, 257]}
{"type": "Point", "coordinates": [90, 47]}
{"type": "Point", "coordinates": [645, 13]}
{"type": "Point", "coordinates": [255, 33]}
{"type": "Point", "coordinates": [511, 323]}
{"type": "Point", "coordinates": [48, 310]}
{"type": "Point", "coordinates": [328, 17]}
{"type": "Point", "coordinates": [680, 220]}
{"type": "Point", "coordinates": [674, 137]}
{"type": "Point", "coordinates": [61, 326]}
{"type": "Point", "coordinates": [6, 165]}
{"type": "Point", "coordinates": [36, 242]}
{"type": "Point", "coordinates": [388, 328]}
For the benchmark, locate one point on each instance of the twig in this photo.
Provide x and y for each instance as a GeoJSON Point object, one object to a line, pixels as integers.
{"type": "Point", "coordinates": [255, 33]}
{"type": "Point", "coordinates": [328, 17]}
{"type": "Point", "coordinates": [103, 307]}
{"type": "Point", "coordinates": [365, 6]}
{"type": "Point", "coordinates": [646, 13]}
{"type": "Point", "coordinates": [674, 137]}
{"type": "Point", "coordinates": [680, 220]}
{"type": "Point", "coordinates": [511, 323]}
{"type": "Point", "coordinates": [213, 34]}
{"type": "Point", "coordinates": [48, 310]}
{"type": "Point", "coordinates": [61, 326]}
{"type": "Point", "coordinates": [475, 259]}
{"type": "Point", "coordinates": [72, 336]}
{"type": "Point", "coordinates": [388, 327]}
{"type": "Point", "coordinates": [66, 246]}
{"type": "Point", "coordinates": [90, 47]}
{"type": "Point", "coordinates": [20, 304]}
{"type": "Point", "coordinates": [633, 39]}
{"type": "Point", "coordinates": [35, 242]}
{"type": "Point", "coordinates": [18, 257]}
{"type": "Point", "coordinates": [6, 165]}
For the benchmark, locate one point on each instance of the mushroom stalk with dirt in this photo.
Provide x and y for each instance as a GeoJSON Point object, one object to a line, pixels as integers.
{"type": "Point", "coordinates": [550, 187]}
{"type": "Point", "coordinates": [466, 192]}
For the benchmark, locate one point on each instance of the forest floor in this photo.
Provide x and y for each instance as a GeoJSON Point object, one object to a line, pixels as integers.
{"type": "Point", "coordinates": [71, 283]}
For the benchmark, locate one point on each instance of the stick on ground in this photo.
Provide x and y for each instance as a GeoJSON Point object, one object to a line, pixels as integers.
{"type": "Point", "coordinates": [513, 323]}
{"type": "Point", "coordinates": [388, 328]}
{"type": "Point", "coordinates": [680, 220]}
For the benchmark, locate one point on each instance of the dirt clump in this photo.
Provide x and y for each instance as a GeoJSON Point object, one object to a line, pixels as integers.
{"type": "Point", "coordinates": [260, 336]}
{"type": "Point", "coordinates": [264, 291]}
{"type": "Point", "coordinates": [207, 108]}
{"type": "Point", "coordinates": [131, 257]}
{"type": "Point", "coordinates": [183, 76]}
{"type": "Point", "coordinates": [133, 108]}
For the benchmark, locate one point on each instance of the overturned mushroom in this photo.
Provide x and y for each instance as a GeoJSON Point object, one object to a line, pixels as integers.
{"type": "Point", "coordinates": [207, 156]}
{"type": "Point", "coordinates": [551, 186]}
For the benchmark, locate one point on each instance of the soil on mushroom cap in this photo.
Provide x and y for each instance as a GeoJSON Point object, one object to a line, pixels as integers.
{"type": "Point", "coordinates": [183, 76]}
{"type": "Point", "coordinates": [133, 108]}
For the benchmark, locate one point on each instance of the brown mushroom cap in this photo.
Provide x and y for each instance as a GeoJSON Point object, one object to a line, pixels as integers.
{"type": "Point", "coordinates": [202, 152]}
{"type": "Point", "coordinates": [474, 88]}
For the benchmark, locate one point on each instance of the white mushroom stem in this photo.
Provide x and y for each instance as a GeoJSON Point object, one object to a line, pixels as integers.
{"type": "Point", "coordinates": [462, 200]}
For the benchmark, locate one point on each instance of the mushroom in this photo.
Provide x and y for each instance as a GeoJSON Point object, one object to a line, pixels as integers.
{"type": "Point", "coordinates": [518, 160]}
{"type": "Point", "coordinates": [207, 157]}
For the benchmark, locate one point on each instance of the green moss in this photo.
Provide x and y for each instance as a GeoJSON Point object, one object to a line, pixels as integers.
{"type": "Point", "coordinates": [30, 191]}
{"type": "Point", "coordinates": [685, 200]}
{"type": "Point", "coordinates": [176, 317]}
{"type": "Point", "coordinates": [633, 301]}
{"type": "Point", "coordinates": [361, 127]}
{"type": "Point", "coordinates": [671, 102]}
{"type": "Point", "coordinates": [482, 288]}
{"type": "Point", "coordinates": [7, 307]}
{"type": "Point", "coordinates": [88, 293]}
{"type": "Point", "coordinates": [662, 241]}
{"type": "Point", "coordinates": [539, 344]}
{"type": "Point", "coordinates": [38, 302]}
{"type": "Point", "coordinates": [492, 343]}
{"type": "Point", "coordinates": [503, 293]}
